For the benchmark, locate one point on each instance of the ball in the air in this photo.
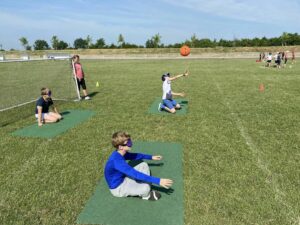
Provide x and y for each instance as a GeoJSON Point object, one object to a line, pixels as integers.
{"type": "Point", "coordinates": [185, 50]}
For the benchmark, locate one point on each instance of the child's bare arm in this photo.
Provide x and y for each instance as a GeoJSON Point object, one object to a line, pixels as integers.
{"type": "Point", "coordinates": [186, 73]}
{"type": "Point", "coordinates": [178, 94]}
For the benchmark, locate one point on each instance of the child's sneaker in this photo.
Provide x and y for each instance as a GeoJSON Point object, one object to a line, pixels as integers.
{"type": "Point", "coordinates": [153, 196]}
{"type": "Point", "coordinates": [159, 107]}
{"type": "Point", "coordinates": [87, 98]}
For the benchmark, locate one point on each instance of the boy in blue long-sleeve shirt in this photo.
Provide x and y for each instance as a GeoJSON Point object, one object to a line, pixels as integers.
{"type": "Point", "coordinates": [124, 180]}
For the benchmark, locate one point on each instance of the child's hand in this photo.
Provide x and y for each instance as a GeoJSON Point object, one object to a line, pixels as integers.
{"type": "Point", "coordinates": [166, 183]}
{"type": "Point", "coordinates": [156, 157]}
{"type": "Point", "coordinates": [182, 94]}
{"type": "Point", "coordinates": [186, 73]}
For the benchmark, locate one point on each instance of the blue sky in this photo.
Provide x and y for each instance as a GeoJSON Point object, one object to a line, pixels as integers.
{"type": "Point", "coordinates": [137, 21]}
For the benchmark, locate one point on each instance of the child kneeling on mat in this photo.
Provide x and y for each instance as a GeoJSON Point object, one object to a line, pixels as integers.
{"type": "Point", "coordinates": [42, 109]}
{"type": "Point", "coordinates": [168, 103]}
{"type": "Point", "coordinates": [124, 180]}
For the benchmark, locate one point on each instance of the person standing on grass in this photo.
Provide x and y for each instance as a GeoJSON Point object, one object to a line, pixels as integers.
{"type": "Point", "coordinates": [293, 56]}
{"type": "Point", "coordinates": [277, 59]}
{"type": "Point", "coordinates": [42, 109]}
{"type": "Point", "coordinates": [80, 76]}
{"type": "Point", "coordinates": [168, 103]}
{"type": "Point", "coordinates": [124, 180]}
{"type": "Point", "coordinates": [285, 58]}
{"type": "Point", "coordinates": [269, 59]}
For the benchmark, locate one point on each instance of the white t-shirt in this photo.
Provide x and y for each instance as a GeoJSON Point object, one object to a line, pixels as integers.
{"type": "Point", "coordinates": [269, 57]}
{"type": "Point", "coordinates": [167, 93]}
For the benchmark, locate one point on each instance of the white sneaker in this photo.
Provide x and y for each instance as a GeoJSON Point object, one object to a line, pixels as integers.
{"type": "Point", "coordinates": [159, 107]}
{"type": "Point", "coordinates": [87, 98]}
{"type": "Point", "coordinates": [153, 196]}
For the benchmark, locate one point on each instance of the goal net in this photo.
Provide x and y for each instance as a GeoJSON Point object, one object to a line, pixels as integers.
{"type": "Point", "coordinates": [21, 81]}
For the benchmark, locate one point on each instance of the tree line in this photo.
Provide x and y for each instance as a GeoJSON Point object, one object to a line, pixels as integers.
{"type": "Point", "coordinates": [155, 42]}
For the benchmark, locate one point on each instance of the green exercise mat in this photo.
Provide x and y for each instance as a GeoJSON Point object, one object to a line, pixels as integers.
{"type": "Point", "coordinates": [154, 107]}
{"type": "Point", "coordinates": [70, 119]}
{"type": "Point", "coordinates": [102, 208]}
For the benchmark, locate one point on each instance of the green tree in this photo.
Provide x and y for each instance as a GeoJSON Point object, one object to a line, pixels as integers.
{"type": "Point", "coordinates": [128, 45]}
{"type": "Point", "coordinates": [24, 42]}
{"type": "Point", "coordinates": [40, 45]}
{"type": "Point", "coordinates": [284, 38]}
{"type": "Point", "coordinates": [205, 43]}
{"type": "Point", "coordinates": [225, 43]}
{"type": "Point", "coordinates": [80, 43]}
{"type": "Point", "coordinates": [100, 43]}
{"type": "Point", "coordinates": [89, 41]}
{"type": "Point", "coordinates": [62, 45]}
{"type": "Point", "coordinates": [194, 40]}
{"type": "Point", "coordinates": [149, 43]}
{"type": "Point", "coordinates": [121, 40]}
{"type": "Point", "coordinates": [154, 42]}
{"type": "Point", "coordinates": [54, 42]}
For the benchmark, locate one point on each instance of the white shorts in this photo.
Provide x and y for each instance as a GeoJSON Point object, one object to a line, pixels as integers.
{"type": "Point", "coordinates": [43, 115]}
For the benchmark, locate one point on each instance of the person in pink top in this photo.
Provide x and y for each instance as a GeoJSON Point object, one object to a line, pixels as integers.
{"type": "Point", "coordinates": [293, 56]}
{"type": "Point", "coordinates": [80, 76]}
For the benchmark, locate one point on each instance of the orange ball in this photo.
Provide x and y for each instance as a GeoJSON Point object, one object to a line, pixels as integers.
{"type": "Point", "coordinates": [185, 50]}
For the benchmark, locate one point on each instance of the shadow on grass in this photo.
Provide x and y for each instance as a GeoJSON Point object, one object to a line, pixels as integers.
{"type": "Point", "coordinates": [92, 94]}
{"type": "Point", "coordinates": [65, 113]}
{"type": "Point", "coordinates": [164, 190]}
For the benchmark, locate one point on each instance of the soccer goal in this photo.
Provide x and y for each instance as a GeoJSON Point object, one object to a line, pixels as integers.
{"type": "Point", "coordinates": [21, 81]}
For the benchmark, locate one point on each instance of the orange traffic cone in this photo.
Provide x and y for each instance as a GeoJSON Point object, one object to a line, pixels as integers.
{"type": "Point", "coordinates": [261, 88]}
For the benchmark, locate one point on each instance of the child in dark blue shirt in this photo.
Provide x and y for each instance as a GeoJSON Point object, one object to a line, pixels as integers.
{"type": "Point", "coordinates": [42, 113]}
{"type": "Point", "coordinates": [124, 180]}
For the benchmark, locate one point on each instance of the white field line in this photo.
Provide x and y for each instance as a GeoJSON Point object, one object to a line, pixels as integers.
{"type": "Point", "coordinates": [272, 179]}
{"type": "Point", "coordinates": [18, 105]}
{"type": "Point", "coordinates": [25, 103]}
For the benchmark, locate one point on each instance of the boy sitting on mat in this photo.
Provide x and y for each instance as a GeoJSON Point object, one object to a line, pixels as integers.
{"type": "Point", "coordinates": [168, 103]}
{"type": "Point", "coordinates": [124, 180]}
{"type": "Point", "coordinates": [42, 109]}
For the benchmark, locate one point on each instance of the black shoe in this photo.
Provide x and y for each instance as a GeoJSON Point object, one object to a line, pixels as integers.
{"type": "Point", "coordinates": [153, 196]}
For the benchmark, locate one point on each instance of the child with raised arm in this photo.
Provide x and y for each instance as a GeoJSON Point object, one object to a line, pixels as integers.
{"type": "Point", "coordinates": [80, 76]}
{"type": "Point", "coordinates": [42, 109]}
{"type": "Point", "coordinates": [124, 180]}
{"type": "Point", "coordinates": [168, 103]}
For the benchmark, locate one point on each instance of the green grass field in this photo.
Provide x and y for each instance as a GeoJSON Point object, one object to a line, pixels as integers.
{"type": "Point", "coordinates": [241, 161]}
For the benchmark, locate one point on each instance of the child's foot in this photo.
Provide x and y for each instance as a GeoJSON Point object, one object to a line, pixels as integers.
{"type": "Point", "coordinates": [153, 196]}
{"type": "Point", "coordinates": [87, 97]}
{"type": "Point", "coordinates": [159, 107]}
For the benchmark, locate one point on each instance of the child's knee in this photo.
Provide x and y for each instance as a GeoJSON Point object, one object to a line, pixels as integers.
{"type": "Point", "coordinates": [146, 190]}
{"type": "Point", "coordinates": [143, 167]}
{"type": "Point", "coordinates": [173, 110]}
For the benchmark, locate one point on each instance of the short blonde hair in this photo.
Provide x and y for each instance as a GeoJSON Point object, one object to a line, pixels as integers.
{"type": "Point", "coordinates": [44, 91]}
{"type": "Point", "coordinates": [118, 138]}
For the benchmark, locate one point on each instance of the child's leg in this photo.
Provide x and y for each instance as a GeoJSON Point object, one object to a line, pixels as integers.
{"type": "Point", "coordinates": [78, 84]}
{"type": "Point", "coordinates": [85, 93]}
{"type": "Point", "coordinates": [175, 104]}
{"type": "Point", "coordinates": [48, 118]}
{"type": "Point", "coordinates": [56, 115]}
{"type": "Point", "coordinates": [130, 187]}
{"type": "Point", "coordinates": [168, 105]}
